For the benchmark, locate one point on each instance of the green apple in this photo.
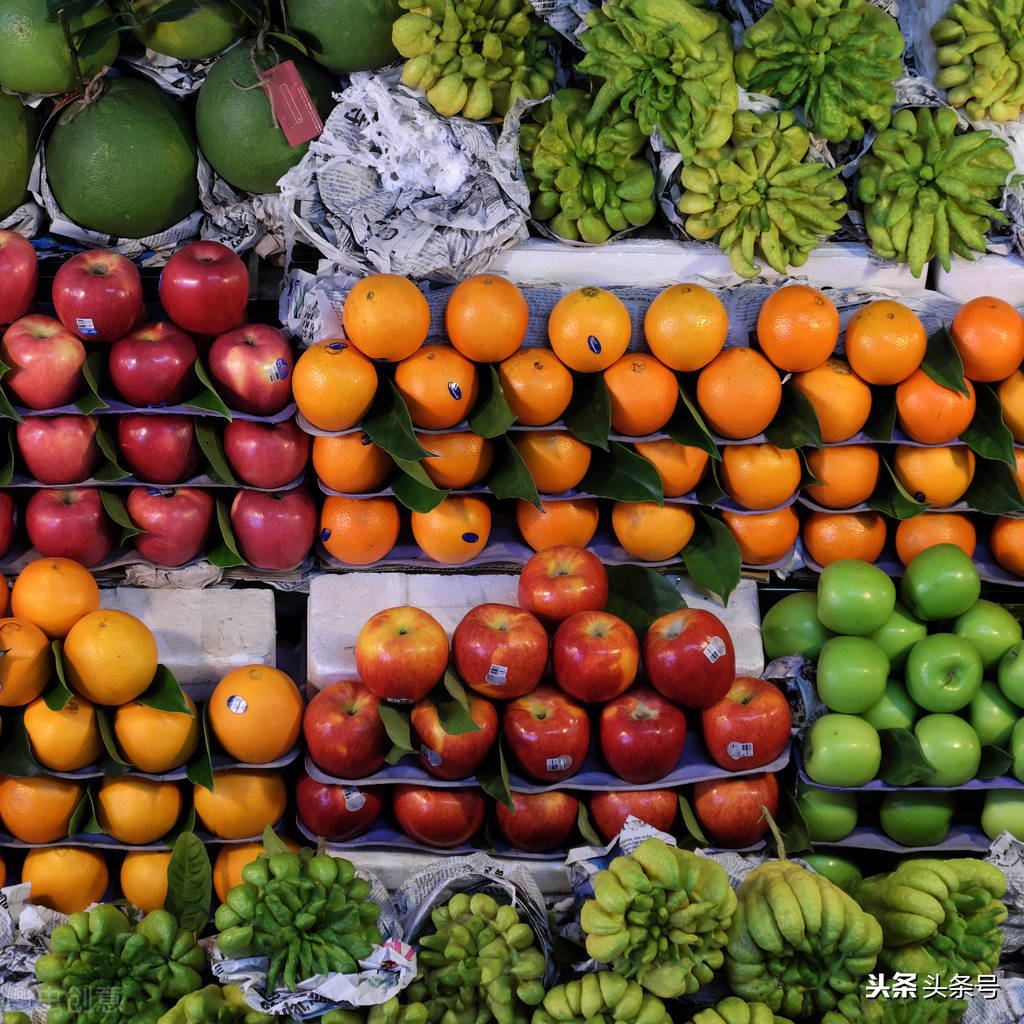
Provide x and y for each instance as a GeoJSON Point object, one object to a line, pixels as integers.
{"type": "Point", "coordinates": [851, 674]}
{"type": "Point", "coordinates": [990, 628]}
{"type": "Point", "coordinates": [992, 716]}
{"type": "Point", "coordinates": [829, 816]}
{"type": "Point", "coordinates": [1010, 674]}
{"type": "Point", "coordinates": [1017, 750]}
{"type": "Point", "coordinates": [899, 633]}
{"type": "Point", "coordinates": [943, 672]}
{"type": "Point", "coordinates": [854, 597]}
{"type": "Point", "coordinates": [841, 750]}
{"type": "Point", "coordinates": [1003, 811]}
{"type": "Point", "coordinates": [838, 870]}
{"type": "Point", "coordinates": [792, 626]}
{"type": "Point", "coordinates": [893, 710]}
{"type": "Point", "coordinates": [951, 747]}
{"type": "Point", "coordinates": [941, 582]}
{"type": "Point", "coordinates": [917, 819]}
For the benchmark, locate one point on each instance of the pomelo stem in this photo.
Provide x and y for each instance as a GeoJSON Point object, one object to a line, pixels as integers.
{"type": "Point", "coordinates": [75, 67]}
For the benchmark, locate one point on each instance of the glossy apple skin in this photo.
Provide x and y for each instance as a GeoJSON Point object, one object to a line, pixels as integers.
{"type": "Point", "coordinates": [689, 657]}
{"type": "Point", "coordinates": [940, 582]}
{"type": "Point", "coordinates": [842, 751]}
{"type": "Point", "coordinates": [70, 524]}
{"type": "Point", "coordinates": [154, 365]}
{"type": "Point", "coordinates": [45, 360]}
{"type": "Point", "coordinates": [59, 449]}
{"type": "Point", "coordinates": [898, 635]}
{"type": "Point", "coordinates": [595, 656]}
{"type": "Point", "coordinates": [1010, 674]}
{"type": "Point", "coordinates": [851, 674]}
{"type": "Point", "coordinates": [159, 449]}
{"type": "Point", "coordinates": [8, 522]}
{"type": "Point", "coordinates": [829, 816]}
{"type": "Point", "coordinates": [730, 810]}
{"type": "Point", "coordinates": [100, 286]}
{"type": "Point", "coordinates": [176, 521]}
{"type": "Point", "coordinates": [991, 629]}
{"type": "Point", "coordinates": [204, 288]}
{"type": "Point", "coordinates": [343, 731]}
{"type": "Point", "coordinates": [266, 455]}
{"type": "Point", "coordinates": [438, 817]}
{"type": "Point", "coordinates": [1003, 811]}
{"type": "Point", "coordinates": [657, 807]}
{"type": "Point", "coordinates": [854, 598]}
{"type": "Point", "coordinates": [754, 712]}
{"type": "Point", "coordinates": [401, 653]}
{"type": "Point", "coordinates": [19, 276]}
{"type": "Point", "coordinates": [274, 530]}
{"type": "Point", "coordinates": [453, 757]}
{"type": "Point", "coordinates": [917, 819]}
{"type": "Point", "coordinates": [500, 650]}
{"type": "Point", "coordinates": [334, 811]}
{"type": "Point", "coordinates": [539, 822]}
{"type": "Point", "coordinates": [951, 746]}
{"type": "Point", "coordinates": [792, 626]}
{"type": "Point", "coordinates": [251, 367]}
{"type": "Point", "coordinates": [559, 581]}
{"type": "Point", "coordinates": [642, 735]}
{"type": "Point", "coordinates": [546, 733]}
{"type": "Point", "coordinates": [943, 672]}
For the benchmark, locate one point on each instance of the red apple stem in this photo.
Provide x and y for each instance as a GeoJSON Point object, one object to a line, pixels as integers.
{"type": "Point", "coordinates": [780, 846]}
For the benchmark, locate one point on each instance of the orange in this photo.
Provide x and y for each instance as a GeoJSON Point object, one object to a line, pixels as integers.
{"type": "Point", "coordinates": [136, 810]}
{"type": "Point", "coordinates": [65, 878]}
{"type": "Point", "coordinates": [989, 335]}
{"type": "Point", "coordinates": [681, 467]}
{"type": "Point", "coordinates": [685, 327]}
{"type": "Point", "coordinates": [841, 400]}
{"type": "Point", "coordinates": [830, 536]}
{"type": "Point", "coordinates": [537, 386]}
{"type": "Point", "coordinates": [351, 463]}
{"type": "Point", "coordinates": [848, 475]}
{"type": "Point", "coordinates": [461, 459]}
{"type": "Point", "coordinates": [486, 318]}
{"type": "Point", "coordinates": [589, 329]}
{"type": "Point", "coordinates": [156, 741]}
{"type": "Point", "coordinates": [53, 594]}
{"type": "Point", "coordinates": [358, 531]}
{"type": "Point", "coordinates": [144, 878]}
{"type": "Point", "coordinates": [456, 531]}
{"type": "Point", "coordinates": [930, 413]}
{"type": "Point", "coordinates": [38, 809]}
{"type": "Point", "coordinates": [243, 802]}
{"type": "Point", "coordinates": [1018, 469]}
{"type": "Point", "coordinates": [110, 657]}
{"type": "Point", "coordinates": [929, 528]}
{"type": "Point", "coordinates": [386, 317]}
{"type": "Point", "coordinates": [797, 328]}
{"type": "Point", "coordinates": [557, 461]}
{"type": "Point", "coordinates": [885, 342]}
{"type": "Point", "coordinates": [571, 521]}
{"type": "Point", "coordinates": [938, 475]}
{"type": "Point", "coordinates": [1007, 543]}
{"type": "Point", "coordinates": [5, 600]}
{"type": "Point", "coordinates": [1011, 398]}
{"type": "Point", "coordinates": [439, 386]}
{"type": "Point", "coordinates": [334, 384]}
{"type": "Point", "coordinates": [643, 394]}
{"type": "Point", "coordinates": [763, 538]}
{"type": "Point", "coordinates": [739, 393]}
{"type": "Point", "coordinates": [256, 713]}
{"type": "Point", "coordinates": [651, 532]}
{"type": "Point", "coordinates": [227, 867]}
{"type": "Point", "coordinates": [64, 740]}
{"type": "Point", "coordinates": [760, 476]}
{"type": "Point", "coordinates": [26, 664]}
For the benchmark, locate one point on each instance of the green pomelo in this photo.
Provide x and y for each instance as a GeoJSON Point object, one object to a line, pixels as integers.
{"type": "Point", "coordinates": [34, 56]}
{"type": "Point", "coordinates": [346, 35]}
{"type": "Point", "coordinates": [18, 131]}
{"type": "Point", "coordinates": [125, 164]}
{"type": "Point", "coordinates": [235, 124]}
{"type": "Point", "coordinates": [214, 27]}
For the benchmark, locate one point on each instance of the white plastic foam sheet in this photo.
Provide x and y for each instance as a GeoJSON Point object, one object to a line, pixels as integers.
{"type": "Point", "coordinates": [989, 274]}
{"type": "Point", "coordinates": [24, 220]}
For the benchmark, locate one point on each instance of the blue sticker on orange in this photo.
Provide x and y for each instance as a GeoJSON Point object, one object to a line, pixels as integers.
{"type": "Point", "coordinates": [325, 535]}
{"type": "Point", "coordinates": [455, 391]}
{"type": "Point", "coordinates": [593, 344]}
{"type": "Point", "coordinates": [471, 538]}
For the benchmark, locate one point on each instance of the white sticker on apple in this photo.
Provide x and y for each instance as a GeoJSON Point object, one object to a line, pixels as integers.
{"type": "Point", "coordinates": [431, 756]}
{"type": "Point", "coordinates": [354, 800]}
{"type": "Point", "coordinates": [558, 764]}
{"type": "Point", "coordinates": [737, 751]}
{"type": "Point", "coordinates": [497, 675]}
{"type": "Point", "coordinates": [714, 649]}
{"type": "Point", "coordinates": [237, 704]}
{"type": "Point", "coordinates": [85, 325]}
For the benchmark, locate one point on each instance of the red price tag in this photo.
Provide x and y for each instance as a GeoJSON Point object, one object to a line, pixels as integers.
{"type": "Point", "coordinates": [291, 103]}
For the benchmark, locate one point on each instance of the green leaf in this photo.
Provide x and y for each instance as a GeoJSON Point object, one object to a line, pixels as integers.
{"type": "Point", "coordinates": [60, 693]}
{"type": "Point", "coordinates": [454, 719]}
{"type": "Point", "coordinates": [96, 360]}
{"type": "Point", "coordinates": [903, 761]}
{"type": "Point", "coordinates": [492, 777]}
{"type": "Point", "coordinates": [622, 475]}
{"type": "Point", "coordinates": [881, 421]}
{"type": "Point", "coordinates": [454, 686]}
{"type": "Point", "coordinates": [987, 435]}
{"type": "Point", "coordinates": [795, 425]}
{"type": "Point", "coordinates": [586, 828]}
{"type": "Point", "coordinates": [942, 362]}
{"type": "Point", "coordinates": [639, 594]}
{"type": "Point", "coordinates": [207, 400]}
{"type": "Point", "coordinates": [72, 8]}
{"type": "Point", "coordinates": [114, 506]}
{"type": "Point", "coordinates": [290, 40]}
{"type": "Point", "coordinates": [173, 10]}
{"type": "Point", "coordinates": [687, 427]}
{"type": "Point", "coordinates": [510, 479]}
{"type": "Point", "coordinates": [164, 693]}
{"type": "Point", "coordinates": [111, 469]}
{"type": "Point", "coordinates": [414, 488]}
{"type": "Point", "coordinates": [88, 44]}
{"type": "Point", "coordinates": [712, 557]}
{"type": "Point", "coordinates": [185, 824]}
{"type": "Point", "coordinates": [807, 477]}
{"type": "Point", "coordinates": [199, 770]}
{"type": "Point", "coordinates": [7, 468]}
{"type": "Point", "coordinates": [17, 757]}
{"type": "Point", "coordinates": [491, 415]}
{"type": "Point", "coordinates": [792, 827]}
{"type": "Point", "coordinates": [272, 843]}
{"type": "Point", "coordinates": [389, 425]}
{"type": "Point", "coordinates": [7, 410]}
{"type": "Point", "coordinates": [189, 883]}
{"type": "Point", "coordinates": [589, 415]}
{"type": "Point", "coordinates": [83, 817]}
{"type": "Point", "coordinates": [994, 489]}
{"type": "Point", "coordinates": [226, 553]}
{"type": "Point", "coordinates": [690, 822]}
{"type": "Point", "coordinates": [396, 725]}
{"type": "Point", "coordinates": [994, 762]}
{"type": "Point", "coordinates": [106, 732]}
{"type": "Point", "coordinates": [709, 490]}
{"type": "Point", "coordinates": [251, 10]}
{"type": "Point", "coordinates": [891, 498]}
{"type": "Point", "coordinates": [213, 448]}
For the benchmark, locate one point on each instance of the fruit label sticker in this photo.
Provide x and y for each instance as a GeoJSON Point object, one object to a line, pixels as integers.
{"type": "Point", "coordinates": [558, 764]}
{"type": "Point", "coordinates": [737, 751]}
{"type": "Point", "coordinates": [431, 756]}
{"type": "Point", "coordinates": [497, 675]}
{"type": "Point", "coordinates": [353, 798]}
{"type": "Point", "coordinates": [237, 704]}
{"type": "Point", "coordinates": [84, 325]}
{"type": "Point", "coordinates": [291, 103]}
{"type": "Point", "coordinates": [277, 371]}
{"type": "Point", "coordinates": [714, 649]}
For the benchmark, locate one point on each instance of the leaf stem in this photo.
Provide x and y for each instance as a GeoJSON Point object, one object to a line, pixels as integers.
{"type": "Point", "coordinates": [76, 68]}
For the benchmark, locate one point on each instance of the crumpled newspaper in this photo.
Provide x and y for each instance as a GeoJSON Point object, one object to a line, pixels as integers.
{"type": "Point", "coordinates": [25, 220]}
{"type": "Point", "coordinates": [178, 77]}
{"type": "Point", "coordinates": [24, 933]}
{"type": "Point", "coordinates": [564, 16]}
{"type": "Point", "coordinates": [239, 220]}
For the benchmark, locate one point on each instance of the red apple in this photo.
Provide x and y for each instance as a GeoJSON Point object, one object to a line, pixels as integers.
{"type": "Point", "coordinates": [70, 524]}
{"type": "Point", "coordinates": [401, 653]}
{"type": "Point", "coordinates": [97, 294]}
{"type": "Point", "coordinates": [333, 811]}
{"type": "Point", "coordinates": [749, 727]}
{"type": "Point", "coordinates": [45, 361]}
{"type": "Point", "coordinates": [438, 817]}
{"type": "Point", "coordinates": [500, 650]}
{"type": "Point", "coordinates": [266, 455]}
{"type": "Point", "coordinates": [731, 811]}
{"type": "Point", "coordinates": [159, 448]}
{"type": "Point", "coordinates": [8, 522]}
{"type": "Point", "coordinates": [252, 368]}
{"type": "Point", "coordinates": [19, 276]}
{"type": "Point", "coordinates": [176, 522]}
{"type": "Point", "coordinates": [344, 734]}
{"type": "Point", "coordinates": [596, 656]}
{"type": "Point", "coordinates": [657, 807]}
{"type": "Point", "coordinates": [560, 581]}
{"type": "Point", "coordinates": [59, 449]}
{"type": "Point", "coordinates": [204, 288]}
{"type": "Point", "coordinates": [274, 530]}
{"type": "Point", "coordinates": [453, 757]}
{"type": "Point", "coordinates": [547, 734]}
{"type": "Point", "coordinates": [539, 821]}
{"type": "Point", "coordinates": [642, 735]}
{"type": "Point", "coordinates": [154, 365]}
{"type": "Point", "coordinates": [689, 657]}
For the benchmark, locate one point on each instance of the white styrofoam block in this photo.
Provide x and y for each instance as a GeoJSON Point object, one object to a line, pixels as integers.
{"type": "Point", "coordinates": [742, 617]}
{"type": "Point", "coordinates": [989, 274]}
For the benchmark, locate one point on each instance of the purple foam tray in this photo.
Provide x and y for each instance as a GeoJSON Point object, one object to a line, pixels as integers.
{"type": "Point", "coordinates": [959, 837]}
